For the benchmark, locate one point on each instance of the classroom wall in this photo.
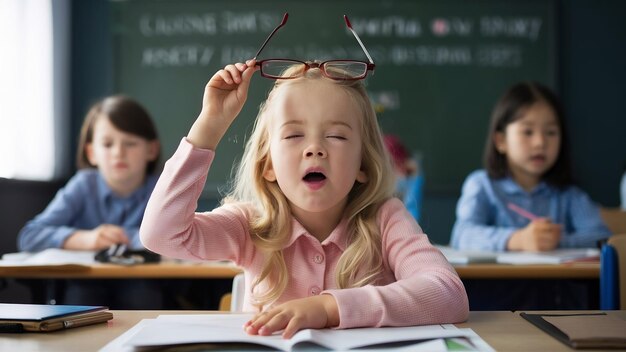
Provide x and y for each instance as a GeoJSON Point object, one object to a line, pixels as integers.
{"type": "Point", "coordinates": [591, 76]}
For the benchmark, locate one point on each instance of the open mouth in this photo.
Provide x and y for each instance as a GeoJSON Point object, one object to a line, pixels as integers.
{"type": "Point", "coordinates": [314, 177]}
{"type": "Point", "coordinates": [539, 158]}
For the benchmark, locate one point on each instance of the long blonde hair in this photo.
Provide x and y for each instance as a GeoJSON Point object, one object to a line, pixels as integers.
{"type": "Point", "coordinates": [271, 228]}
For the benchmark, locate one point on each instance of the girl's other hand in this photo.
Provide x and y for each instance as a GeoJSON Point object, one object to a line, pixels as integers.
{"type": "Point", "coordinates": [101, 237]}
{"type": "Point", "coordinates": [539, 235]}
{"type": "Point", "coordinates": [305, 313]}
{"type": "Point", "coordinates": [223, 99]}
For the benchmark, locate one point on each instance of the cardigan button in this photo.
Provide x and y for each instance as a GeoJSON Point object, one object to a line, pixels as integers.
{"type": "Point", "coordinates": [315, 291]}
{"type": "Point", "coordinates": [318, 259]}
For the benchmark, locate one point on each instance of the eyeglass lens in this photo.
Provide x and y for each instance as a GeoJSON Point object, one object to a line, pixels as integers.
{"type": "Point", "coordinates": [344, 69]}
{"type": "Point", "coordinates": [336, 69]}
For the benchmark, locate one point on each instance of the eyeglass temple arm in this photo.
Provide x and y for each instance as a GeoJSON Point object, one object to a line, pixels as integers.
{"type": "Point", "coordinates": [357, 38]}
{"type": "Point", "coordinates": [282, 23]}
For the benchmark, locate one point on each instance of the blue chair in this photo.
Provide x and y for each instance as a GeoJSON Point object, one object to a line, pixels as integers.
{"type": "Point", "coordinates": [613, 274]}
{"type": "Point", "coordinates": [412, 190]}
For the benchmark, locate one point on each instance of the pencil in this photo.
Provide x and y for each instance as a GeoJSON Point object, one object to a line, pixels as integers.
{"type": "Point", "coordinates": [523, 212]}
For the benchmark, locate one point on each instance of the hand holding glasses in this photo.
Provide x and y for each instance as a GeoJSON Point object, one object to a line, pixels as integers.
{"type": "Point", "coordinates": [345, 70]}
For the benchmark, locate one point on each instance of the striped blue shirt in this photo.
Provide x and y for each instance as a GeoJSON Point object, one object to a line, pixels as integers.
{"type": "Point", "coordinates": [484, 221]}
{"type": "Point", "coordinates": [85, 203]}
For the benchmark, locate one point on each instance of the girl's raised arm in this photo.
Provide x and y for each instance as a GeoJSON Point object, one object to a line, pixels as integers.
{"type": "Point", "coordinates": [223, 99]}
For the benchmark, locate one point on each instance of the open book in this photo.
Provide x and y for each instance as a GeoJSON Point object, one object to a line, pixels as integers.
{"type": "Point", "coordinates": [178, 330]}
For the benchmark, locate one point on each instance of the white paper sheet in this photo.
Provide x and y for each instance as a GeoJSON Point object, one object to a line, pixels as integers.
{"type": "Point", "coordinates": [556, 256]}
{"type": "Point", "coordinates": [50, 256]}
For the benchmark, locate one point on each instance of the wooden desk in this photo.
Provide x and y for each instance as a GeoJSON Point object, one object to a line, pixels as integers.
{"type": "Point", "coordinates": [504, 271]}
{"type": "Point", "coordinates": [514, 287]}
{"type": "Point", "coordinates": [486, 284]}
{"type": "Point", "coordinates": [507, 331]}
{"type": "Point", "coordinates": [165, 270]}
{"type": "Point", "coordinates": [169, 270]}
{"type": "Point", "coordinates": [504, 331]}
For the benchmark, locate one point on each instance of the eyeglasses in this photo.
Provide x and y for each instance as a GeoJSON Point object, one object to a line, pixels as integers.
{"type": "Point", "coordinates": [344, 70]}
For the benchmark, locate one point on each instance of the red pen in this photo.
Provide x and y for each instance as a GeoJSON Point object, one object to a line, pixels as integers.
{"type": "Point", "coordinates": [523, 212]}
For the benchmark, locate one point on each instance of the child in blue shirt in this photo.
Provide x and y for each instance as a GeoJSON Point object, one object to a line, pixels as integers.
{"type": "Point", "coordinates": [525, 199]}
{"type": "Point", "coordinates": [103, 204]}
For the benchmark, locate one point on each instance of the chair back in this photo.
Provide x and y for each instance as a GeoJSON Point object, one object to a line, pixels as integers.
{"type": "Point", "coordinates": [615, 219]}
{"type": "Point", "coordinates": [20, 201]}
{"type": "Point", "coordinates": [613, 274]}
{"type": "Point", "coordinates": [233, 301]}
{"type": "Point", "coordinates": [239, 291]}
{"type": "Point", "coordinates": [619, 243]}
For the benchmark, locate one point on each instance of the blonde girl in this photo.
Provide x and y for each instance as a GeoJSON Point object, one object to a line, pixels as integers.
{"type": "Point", "coordinates": [311, 219]}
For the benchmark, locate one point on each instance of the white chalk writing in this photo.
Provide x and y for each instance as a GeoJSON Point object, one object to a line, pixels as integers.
{"type": "Point", "coordinates": [403, 52]}
{"type": "Point", "coordinates": [183, 55]}
{"type": "Point", "coordinates": [389, 26]}
{"type": "Point", "coordinates": [150, 25]}
{"type": "Point", "coordinates": [528, 28]}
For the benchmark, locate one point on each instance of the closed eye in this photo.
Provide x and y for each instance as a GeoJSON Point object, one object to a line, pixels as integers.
{"type": "Point", "coordinates": [337, 137]}
{"type": "Point", "coordinates": [292, 136]}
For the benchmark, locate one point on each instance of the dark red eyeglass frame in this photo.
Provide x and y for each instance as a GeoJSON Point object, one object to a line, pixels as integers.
{"type": "Point", "coordinates": [370, 65]}
{"type": "Point", "coordinates": [319, 65]}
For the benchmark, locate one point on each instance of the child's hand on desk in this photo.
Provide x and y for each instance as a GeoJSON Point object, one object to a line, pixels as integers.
{"type": "Point", "coordinates": [539, 235]}
{"type": "Point", "coordinates": [311, 312]}
{"type": "Point", "coordinates": [101, 237]}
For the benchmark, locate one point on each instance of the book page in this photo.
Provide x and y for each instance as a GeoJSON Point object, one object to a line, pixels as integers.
{"type": "Point", "coordinates": [167, 330]}
{"type": "Point", "coordinates": [353, 338]}
{"type": "Point", "coordinates": [50, 256]}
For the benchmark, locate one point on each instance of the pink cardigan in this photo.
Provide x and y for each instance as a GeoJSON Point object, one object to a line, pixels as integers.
{"type": "Point", "coordinates": [416, 286]}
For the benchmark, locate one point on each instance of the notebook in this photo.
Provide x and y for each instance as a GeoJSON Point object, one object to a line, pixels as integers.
{"type": "Point", "coordinates": [582, 330]}
{"type": "Point", "coordinates": [42, 317]}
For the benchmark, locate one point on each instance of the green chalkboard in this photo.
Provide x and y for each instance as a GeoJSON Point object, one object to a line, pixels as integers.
{"type": "Point", "coordinates": [441, 65]}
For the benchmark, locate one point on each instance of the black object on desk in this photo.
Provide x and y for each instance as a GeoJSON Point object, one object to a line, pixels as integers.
{"type": "Point", "coordinates": [120, 254]}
